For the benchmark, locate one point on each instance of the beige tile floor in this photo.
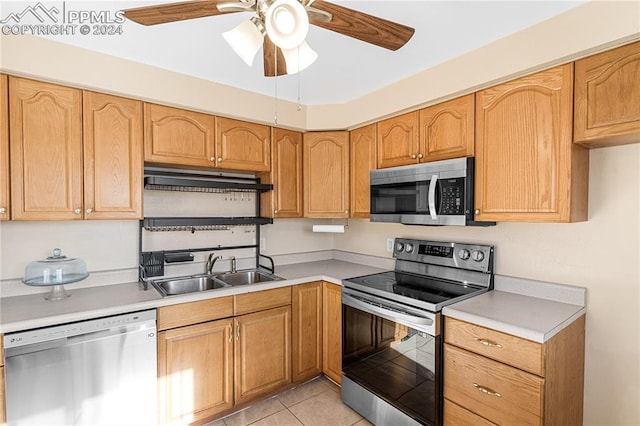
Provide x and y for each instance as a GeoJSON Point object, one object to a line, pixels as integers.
{"type": "Point", "coordinates": [315, 403]}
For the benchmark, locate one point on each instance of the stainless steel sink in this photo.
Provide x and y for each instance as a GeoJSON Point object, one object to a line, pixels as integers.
{"type": "Point", "coordinates": [246, 277]}
{"type": "Point", "coordinates": [183, 285]}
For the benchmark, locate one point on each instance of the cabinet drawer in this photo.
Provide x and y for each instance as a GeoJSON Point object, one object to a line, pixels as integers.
{"type": "Point", "coordinates": [512, 350]}
{"type": "Point", "coordinates": [455, 415]}
{"type": "Point", "coordinates": [260, 300]}
{"type": "Point", "coordinates": [194, 312]}
{"type": "Point", "coordinates": [497, 392]}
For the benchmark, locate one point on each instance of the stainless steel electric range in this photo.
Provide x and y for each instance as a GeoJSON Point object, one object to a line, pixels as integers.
{"type": "Point", "coordinates": [391, 328]}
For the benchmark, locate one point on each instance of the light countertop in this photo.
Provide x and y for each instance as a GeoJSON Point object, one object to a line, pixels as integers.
{"type": "Point", "coordinates": [507, 310]}
{"type": "Point", "coordinates": [33, 311]}
{"type": "Point", "coordinates": [529, 309]}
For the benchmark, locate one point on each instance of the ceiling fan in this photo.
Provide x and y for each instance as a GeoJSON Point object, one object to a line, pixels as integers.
{"type": "Point", "coordinates": [280, 27]}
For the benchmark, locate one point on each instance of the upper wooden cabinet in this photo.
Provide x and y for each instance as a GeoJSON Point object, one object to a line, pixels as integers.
{"type": "Point", "coordinates": [607, 98]}
{"type": "Point", "coordinates": [447, 130]}
{"type": "Point", "coordinates": [363, 160]}
{"type": "Point", "coordinates": [113, 168]}
{"type": "Point", "coordinates": [286, 176]}
{"type": "Point", "coordinates": [241, 145]}
{"type": "Point", "coordinates": [527, 168]}
{"type": "Point", "coordinates": [45, 128]}
{"type": "Point", "coordinates": [326, 174]}
{"type": "Point", "coordinates": [178, 137]}
{"type": "Point", "coordinates": [4, 148]}
{"type": "Point", "coordinates": [398, 140]}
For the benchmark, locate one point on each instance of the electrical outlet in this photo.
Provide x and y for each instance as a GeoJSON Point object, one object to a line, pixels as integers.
{"type": "Point", "coordinates": [390, 245]}
{"type": "Point", "coordinates": [263, 244]}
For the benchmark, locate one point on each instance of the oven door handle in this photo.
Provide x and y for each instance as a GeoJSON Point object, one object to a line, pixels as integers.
{"type": "Point", "coordinates": [387, 311]}
{"type": "Point", "coordinates": [432, 197]}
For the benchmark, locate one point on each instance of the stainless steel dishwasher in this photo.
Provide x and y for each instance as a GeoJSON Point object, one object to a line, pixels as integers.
{"type": "Point", "coordinates": [101, 371]}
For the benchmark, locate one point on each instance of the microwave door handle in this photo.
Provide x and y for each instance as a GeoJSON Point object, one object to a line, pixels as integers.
{"type": "Point", "coordinates": [432, 197]}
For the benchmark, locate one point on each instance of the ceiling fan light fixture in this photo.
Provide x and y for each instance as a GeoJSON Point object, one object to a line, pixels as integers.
{"type": "Point", "coordinates": [286, 23]}
{"type": "Point", "coordinates": [299, 58]}
{"type": "Point", "coordinates": [246, 39]}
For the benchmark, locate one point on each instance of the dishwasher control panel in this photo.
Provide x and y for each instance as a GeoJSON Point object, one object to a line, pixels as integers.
{"type": "Point", "coordinates": [99, 325]}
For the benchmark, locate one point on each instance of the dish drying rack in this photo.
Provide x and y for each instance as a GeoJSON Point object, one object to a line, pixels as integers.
{"type": "Point", "coordinates": [152, 263]}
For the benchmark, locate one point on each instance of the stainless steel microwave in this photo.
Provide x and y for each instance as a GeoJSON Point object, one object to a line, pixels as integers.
{"type": "Point", "coordinates": [435, 193]}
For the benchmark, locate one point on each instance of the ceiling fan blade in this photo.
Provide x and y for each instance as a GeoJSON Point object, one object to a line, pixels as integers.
{"type": "Point", "coordinates": [269, 51]}
{"type": "Point", "coordinates": [172, 12]}
{"type": "Point", "coordinates": [362, 26]}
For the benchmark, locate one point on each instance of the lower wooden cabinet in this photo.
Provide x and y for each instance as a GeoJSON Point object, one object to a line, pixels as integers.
{"type": "Point", "coordinates": [195, 370]}
{"type": "Point", "coordinates": [306, 330]}
{"type": "Point", "coordinates": [332, 331]}
{"type": "Point", "coordinates": [493, 377]}
{"type": "Point", "coordinates": [210, 360]}
{"type": "Point", "coordinates": [262, 353]}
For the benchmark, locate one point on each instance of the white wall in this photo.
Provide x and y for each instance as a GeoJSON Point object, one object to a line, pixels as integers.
{"type": "Point", "coordinates": [602, 254]}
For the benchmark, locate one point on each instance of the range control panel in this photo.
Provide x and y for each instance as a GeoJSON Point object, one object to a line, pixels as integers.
{"type": "Point", "coordinates": [475, 257]}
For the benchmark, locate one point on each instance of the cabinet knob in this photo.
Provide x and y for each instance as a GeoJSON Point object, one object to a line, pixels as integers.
{"type": "Point", "coordinates": [413, 156]}
{"type": "Point", "coordinates": [476, 211]}
{"type": "Point", "coordinates": [346, 211]}
{"type": "Point", "coordinates": [3, 210]}
{"type": "Point", "coordinates": [212, 159]}
{"type": "Point", "coordinates": [89, 211]}
{"type": "Point", "coordinates": [219, 159]}
{"type": "Point", "coordinates": [275, 212]}
{"type": "Point", "coordinates": [77, 211]}
{"type": "Point", "coordinates": [420, 156]}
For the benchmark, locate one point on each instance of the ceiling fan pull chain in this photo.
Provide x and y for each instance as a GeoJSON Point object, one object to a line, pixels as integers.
{"type": "Point", "coordinates": [299, 106]}
{"type": "Point", "coordinates": [275, 78]}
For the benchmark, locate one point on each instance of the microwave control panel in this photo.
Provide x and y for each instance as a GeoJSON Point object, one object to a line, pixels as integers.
{"type": "Point", "coordinates": [452, 196]}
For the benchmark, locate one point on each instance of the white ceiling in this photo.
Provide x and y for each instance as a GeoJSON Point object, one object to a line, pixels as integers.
{"type": "Point", "coordinates": [346, 68]}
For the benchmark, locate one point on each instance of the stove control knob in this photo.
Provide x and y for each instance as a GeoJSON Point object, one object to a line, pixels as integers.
{"type": "Point", "coordinates": [399, 247]}
{"type": "Point", "coordinates": [408, 248]}
{"type": "Point", "coordinates": [477, 255]}
{"type": "Point", "coordinates": [464, 254]}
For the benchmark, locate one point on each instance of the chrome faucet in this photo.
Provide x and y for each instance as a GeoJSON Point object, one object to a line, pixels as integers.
{"type": "Point", "coordinates": [233, 264]}
{"type": "Point", "coordinates": [210, 262]}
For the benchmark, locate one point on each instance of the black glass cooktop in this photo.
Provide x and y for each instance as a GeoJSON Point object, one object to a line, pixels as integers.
{"type": "Point", "coordinates": [424, 291]}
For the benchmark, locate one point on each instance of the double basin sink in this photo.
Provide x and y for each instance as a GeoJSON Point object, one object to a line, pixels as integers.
{"type": "Point", "coordinates": [197, 283]}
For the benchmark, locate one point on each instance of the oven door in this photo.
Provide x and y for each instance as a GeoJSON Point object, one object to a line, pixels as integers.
{"type": "Point", "coordinates": [391, 360]}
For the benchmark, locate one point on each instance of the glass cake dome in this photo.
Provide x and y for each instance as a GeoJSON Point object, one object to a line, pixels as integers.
{"type": "Point", "coordinates": [55, 270]}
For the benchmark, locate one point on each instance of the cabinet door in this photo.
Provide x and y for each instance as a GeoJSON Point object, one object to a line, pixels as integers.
{"type": "Point", "coordinates": [178, 137]}
{"type": "Point", "coordinates": [4, 147]}
{"type": "Point", "coordinates": [262, 353]}
{"type": "Point", "coordinates": [243, 146]}
{"type": "Point", "coordinates": [332, 331]}
{"type": "Point", "coordinates": [363, 160]}
{"type": "Point", "coordinates": [195, 371]}
{"type": "Point", "coordinates": [527, 168]}
{"type": "Point", "coordinates": [447, 130]}
{"type": "Point", "coordinates": [398, 141]}
{"type": "Point", "coordinates": [112, 157]}
{"type": "Point", "coordinates": [326, 174]}
{"type": "Point", "coordinates": [3, 416]}
{"type": "Point", "coordinates": [607, 98]}
{"type": "Point", "coordinates": [286, 176]}
{"type": "Point", "coordinates": [45, 140]}
{"type": "Point", "coordinates": [307, 330]}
